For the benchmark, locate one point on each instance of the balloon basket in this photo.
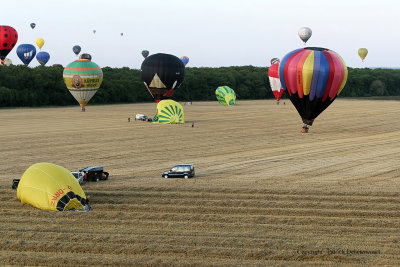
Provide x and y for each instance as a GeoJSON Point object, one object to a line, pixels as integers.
{"type": "Point", "coordinates": [305, 128]}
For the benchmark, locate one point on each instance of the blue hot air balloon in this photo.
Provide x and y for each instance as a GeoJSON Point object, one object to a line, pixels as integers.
{"type": "Point", "coordinates": [185, 60]}
{"type": "Point", "coordinates": [26, 52]}
{"type": "Point", "coordinates": [43, 57]}
{"type": "Point", "coordinates": [76, 49]}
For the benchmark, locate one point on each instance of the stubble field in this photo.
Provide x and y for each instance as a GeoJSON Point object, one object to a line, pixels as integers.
{"type": "Point", "coordinates": [264, 194]}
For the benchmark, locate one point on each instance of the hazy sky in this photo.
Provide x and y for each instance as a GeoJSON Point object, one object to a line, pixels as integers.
{"type": "Point", "coordinates": [211, 33]}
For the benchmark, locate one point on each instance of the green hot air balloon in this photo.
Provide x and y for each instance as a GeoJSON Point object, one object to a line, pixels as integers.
{"type": "Point", "coordinates": [82, 78]}
{"type": "Point", "coordinates": [226, 96]}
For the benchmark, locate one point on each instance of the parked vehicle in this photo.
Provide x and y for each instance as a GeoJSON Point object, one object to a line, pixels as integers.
{"type": "Point", "coordinates": [15, 184]}
{"type": "Point", "coordinates": [94, 174]}
{"type": "Point", "coordinates": [141, 117]}
{"type": "Point", "coordinates": [79, 176]}
{"type": "Point", "coordinates": [182, 170]}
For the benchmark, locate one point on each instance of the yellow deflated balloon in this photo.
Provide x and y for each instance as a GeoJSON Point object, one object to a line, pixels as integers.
{"type": "Point", "coordinates": [51, 187]}
{"type": "Point", "coordinates": [363, 52]}
{"type": "Point", "coordinates": [169, 112]}
{"type": "Point", "coordinates": [39, 42]}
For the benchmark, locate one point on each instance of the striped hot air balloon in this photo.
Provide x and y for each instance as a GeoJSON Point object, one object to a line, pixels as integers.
{"type": "Point", "coordinates": [275, 83]}
{"type": "Point", "coordinates": [313, 78]}
{"type": "Point", "coordinates": [226, 96]}
{"type": "Point", "coordinates": [82, 78]}
{"type": "Point", "coordinates": [169, 112]}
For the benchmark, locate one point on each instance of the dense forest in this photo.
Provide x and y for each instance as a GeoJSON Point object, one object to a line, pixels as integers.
{"type": "Point", "coordinates": [21, 86]}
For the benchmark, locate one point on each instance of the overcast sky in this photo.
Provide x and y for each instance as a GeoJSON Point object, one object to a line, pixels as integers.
{"type": "Point", "coordinates": [212, 33]}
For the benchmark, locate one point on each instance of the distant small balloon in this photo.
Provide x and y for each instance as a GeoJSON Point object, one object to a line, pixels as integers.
{"type": "Point", "coordinates": [305, 34]}
{"type": "Point", "coordinates": [362, 52]}
{"type": "Point", "coordinates": [145, 53]}
{"type": "Point", "coordinates": [76, 49]}
{"type": "Point", "coordinates": [33, 25]}
{"type": "Point", "coordinates": [94, 31]}
{"type": "Point", "coordinates": [43, 57]}
{"type": "Point", "coordinates": [122, 34]}
{"type": "Point", "coordinates": [26, 52]}
{"type": "Point", "coordinates": [40, 42]}
{"type": "Point", "coordinates": [185, 60]}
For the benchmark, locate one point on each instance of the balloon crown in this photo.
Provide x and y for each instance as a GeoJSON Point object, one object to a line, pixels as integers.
{"type": "Point", "coordinates": [317, 48]}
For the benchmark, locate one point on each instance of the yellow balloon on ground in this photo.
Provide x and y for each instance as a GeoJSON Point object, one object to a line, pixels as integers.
{"type": "Point", "coordinates": [363, 52]}
{"type": "Point", "coordinates": [49, 186]}
{"type": "Point", "coordinates": [39, 42]}
{"type": "Point", "coordinates": [169, 112]}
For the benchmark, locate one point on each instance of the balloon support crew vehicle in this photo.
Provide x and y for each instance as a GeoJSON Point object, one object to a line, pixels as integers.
{"type": "Point", "coordinates": [79, 176]}
{"type": "Point", "coordinates": [182, 170]}
{"type": "Point", "coordinates": [94, 174]}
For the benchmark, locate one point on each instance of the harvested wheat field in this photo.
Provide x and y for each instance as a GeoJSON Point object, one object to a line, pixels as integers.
{"type": "Point", "coordinates": [264, 194]}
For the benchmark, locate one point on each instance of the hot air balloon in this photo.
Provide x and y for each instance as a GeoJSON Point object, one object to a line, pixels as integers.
{"type": "Point", "coordinates": [82, 78]}
{"type": "Point", "coordinates": [6, 62]}
{"type": "Point", "coordinates": [40, 42]}
{"type": "Point", "coordinates": [94, 31]}
{"type": "Point", "coordinates": [43, 57]}
{"type": "Point", "coordinates": [169, 112]}
{"type": "Point", "coordinates": [145, 53]}
{"type": "Point", "coordinates": [305, 34]}
{"type": "Point", "coordinates": [225, 95]}
{"type": "Point", "coordinates": [49, 186]}
{"type": "Point", "coordinates": [313, 77]}
{"type": "Point", "coordinates": [122, 34]}
{"type": "Point", "coordinates": [33, 25]}
{"type": "Point", "coordinates": [86, 56]}
{"type": "Point", "coordinates": [275, 83]}
{"type": "Point", "coordinates": [76, 49]}
{"type": "Point", "coordinates": [8, 39]}
{"type": "Point", "coordinates": [362, 52]}
{"type": "Point", "coordinates": [162, 74]}
{"type": "Point", "coordinates": [26, 52]}
{"type": "Point", "coordinates": [185, 60]}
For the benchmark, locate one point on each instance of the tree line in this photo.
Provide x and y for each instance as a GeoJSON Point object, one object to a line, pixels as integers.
{"type": "Point", "coordinates": [21, 86]}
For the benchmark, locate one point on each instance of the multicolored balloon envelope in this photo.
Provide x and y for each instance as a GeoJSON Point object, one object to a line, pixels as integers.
{"type": "Point", "coordinates": [162, 74]}
{"type": "Point", "coordinates": [185, 60]}
{"type": "Point", "coordinates": [26, 52]}
{"type": "Point", "coordinates": [82, 78]}
{"type": "Point", "coordinates": [226, 96]}
{"type": "Point", "coordinates": [85, 56]}
{"type": "Point", "coordinates": [169, 112]}
{"type": "Point", "coordinates": [274, 81]}
{"type": "Point", "coordinates": [313, 78]}
{"type": "Point", "coordinates": [51, 187]}
{"type": "Point", "coordinates": [43, 57]}
{"type": "Point", "coordinates": [8, 39]}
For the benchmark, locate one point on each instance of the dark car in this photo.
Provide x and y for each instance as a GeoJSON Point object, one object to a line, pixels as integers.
{"type": "Point", "coordinates": [15, 183]}
{"type": "Point", "coordinates": [181, 170]}
{"type": "Point", "coordinates": [94, 174]}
